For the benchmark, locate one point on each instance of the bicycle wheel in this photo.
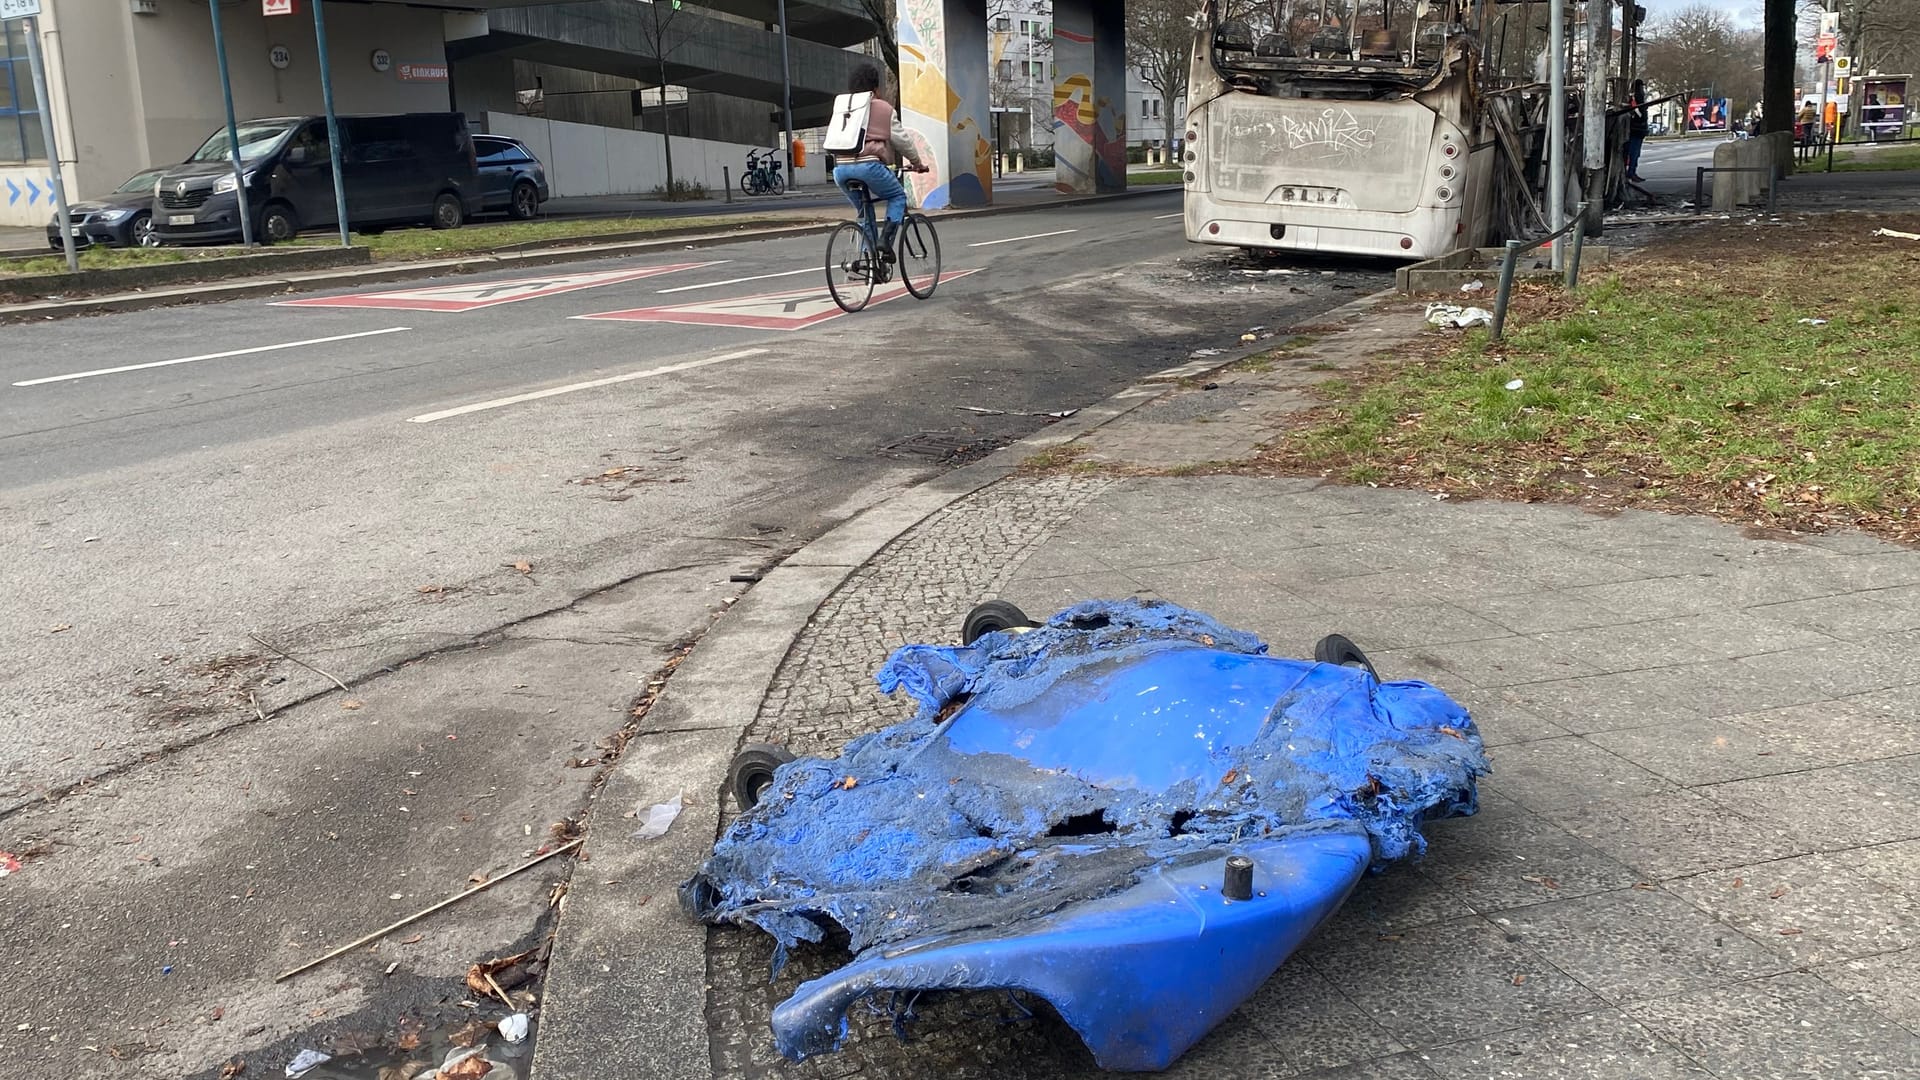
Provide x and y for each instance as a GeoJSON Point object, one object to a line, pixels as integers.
{"type": "Point", "coordinates": [919, 255]}
{"type": "Point", "coordinates": [746, 182]}
{"type": "Point", "coordinates": [850, 267]}
{"type": "Point", "coordinates": [778, 178]}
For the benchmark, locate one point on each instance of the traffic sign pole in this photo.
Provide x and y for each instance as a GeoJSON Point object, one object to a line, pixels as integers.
{"type": "Point", "coordinates": [59, 179]}
{"type": "Point", "coordinates": [333, 122]}
{"type": "Point", "coordinates": [233, 130]}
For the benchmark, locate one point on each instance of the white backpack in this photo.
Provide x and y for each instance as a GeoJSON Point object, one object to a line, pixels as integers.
{"type": "Point", "coordinates": [847, 128]}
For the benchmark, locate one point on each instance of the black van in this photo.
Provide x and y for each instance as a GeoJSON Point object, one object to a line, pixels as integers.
{"type": "Point", "coordinates": [410, 169]}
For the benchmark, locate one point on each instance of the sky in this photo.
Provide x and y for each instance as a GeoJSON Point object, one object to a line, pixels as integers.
{"type": "Point", "coordinates": [1746, 17]}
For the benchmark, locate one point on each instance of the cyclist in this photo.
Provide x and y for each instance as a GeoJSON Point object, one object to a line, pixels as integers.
{"type": "Point", "coordinates": [886, 142]}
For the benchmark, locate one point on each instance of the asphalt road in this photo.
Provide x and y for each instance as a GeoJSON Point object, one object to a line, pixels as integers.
{"type": "Point", "coordinates": [496, 525]}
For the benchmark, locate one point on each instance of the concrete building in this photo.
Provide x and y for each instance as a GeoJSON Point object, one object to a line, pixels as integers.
{"type": "Point", "coordinates": [134, 83]}
{"type": "Point", "coordinates": [1022, 73]}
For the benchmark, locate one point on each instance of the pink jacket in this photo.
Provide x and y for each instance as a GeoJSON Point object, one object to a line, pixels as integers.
{"type": "Point", "coordinates": [887, 140]}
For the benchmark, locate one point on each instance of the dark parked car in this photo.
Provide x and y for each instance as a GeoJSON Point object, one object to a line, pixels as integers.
{"type": "Point", "coordinates": [512, 180]}
{"type": "Point", "coordinates": [122, 219]}
{"type": "Point", "coordinates": [409, 169]}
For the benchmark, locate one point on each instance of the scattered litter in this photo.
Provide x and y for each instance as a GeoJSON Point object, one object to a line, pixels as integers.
{"type": "Point", "coordinates": [1249, 339]}
{"type": "Point", "coordinates": [1211, 386]}
{"type": "Point", "coordinates": [1820, 322]}
{"type": "Point", "coordinates": [1454, 315]}
{"type": "Point", "coordinates": [1063, 414]}
{"type": "Point", "coordinates": [514, 1028]}
{"type": "Point", "coordinates": [1516, 384]}
{"type": "Point", "coordinates": [306, 1061]}
{"type": "Point", "coordinates": [1268, 273]}
{"type": "Point", "coordinates": [1896, 234]}
{"type": "Point", "coordinates": [9, 863]}
{"type": "Point", "coordinates": [981, 411]}
{"type": "Point", "coordinates": [466, 1065]}
{"type": "Point", "coordinates": [1473, 286]}
{"type": "Point", "coordinates": [1197, 353]}
{"type": "Point", "coordinates": [658, 819]}
{"type": "Point", "coordinates": [744, 579]}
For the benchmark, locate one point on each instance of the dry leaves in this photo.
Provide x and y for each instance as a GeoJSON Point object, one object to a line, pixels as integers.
{"type": "Point", "coordinates": [414, 940]}
{"type": "Point", "coordinates": [351, 704]}
{"type": "Point", "coordinates": [61, 629]}
{"type": "Point", "coordinates": [478, 974]}
{"type": "Point", "coordinates": [1777, 893]}
{"type": "Point", "coordinates": [233, 1068]}
{"type": "Point", "coordinates": [219, 1013]}
{"type": "Point", "coordinates": [523, 566]}
{"type": "Point", "coordinates": [849, 784]}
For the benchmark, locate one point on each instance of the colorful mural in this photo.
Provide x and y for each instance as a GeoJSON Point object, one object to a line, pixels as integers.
{"type": "Point", "coordinates": [943, 97]}
{"type": "Point", "coordinates": [1089, 101]}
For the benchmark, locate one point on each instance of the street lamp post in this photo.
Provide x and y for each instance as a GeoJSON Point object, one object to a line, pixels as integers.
{"type": "Point", "coordinates": [786, 91]}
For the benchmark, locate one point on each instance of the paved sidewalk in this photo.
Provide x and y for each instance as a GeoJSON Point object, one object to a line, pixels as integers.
{"type": "Point", "coordinates": [1699, 852]}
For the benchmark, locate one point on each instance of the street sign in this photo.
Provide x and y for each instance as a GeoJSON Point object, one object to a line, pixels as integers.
{"type": "Point", "coordinates": [19, 9]}
{"type": "Point", "coordinates": [795, 310]}
{"type": "Point", "coordinates": [423, 73]}
{"type": "Point", "coordinates": [474, 295]}
{"type": "Point", "coordinates": [276, 7]}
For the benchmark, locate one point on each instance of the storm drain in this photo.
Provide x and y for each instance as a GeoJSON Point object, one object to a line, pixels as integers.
{"type": "Point", "coordinates": [947, 448]}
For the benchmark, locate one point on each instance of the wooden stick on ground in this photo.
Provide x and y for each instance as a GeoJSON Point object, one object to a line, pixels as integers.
{"type": "Point", "coordinates": [417, 916]}
{"type": "Point", "coordinates": [297, 660]}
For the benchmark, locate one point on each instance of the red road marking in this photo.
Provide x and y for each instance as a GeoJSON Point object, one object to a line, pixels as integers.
{"type": "Point", "coordinates": [474, 295]}
{"type": "Point", "coordinates": [793, 310]}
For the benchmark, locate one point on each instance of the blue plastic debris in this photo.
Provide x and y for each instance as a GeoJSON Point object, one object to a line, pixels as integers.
{"type": "Point", "coordinates": [1057, 818]}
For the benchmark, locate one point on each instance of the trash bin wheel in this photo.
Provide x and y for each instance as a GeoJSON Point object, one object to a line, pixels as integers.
{"type": "Point", "coordinates": [990, 617]}
{"type": "Point", "coordinates": [751, 773]}
{"type": "Point", "coordinates": [1337, 649]}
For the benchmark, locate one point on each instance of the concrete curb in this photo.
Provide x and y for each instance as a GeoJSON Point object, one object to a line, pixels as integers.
{"type": "Point", "coordinates": [249, 288]}
{"type": "Point", "coordinates": [624, 952]}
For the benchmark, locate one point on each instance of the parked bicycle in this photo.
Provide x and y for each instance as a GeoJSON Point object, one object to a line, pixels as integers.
{"type": "Point", "coordinates": [857, 261]}
{"type": "Point", "coordinates": [765, 175]}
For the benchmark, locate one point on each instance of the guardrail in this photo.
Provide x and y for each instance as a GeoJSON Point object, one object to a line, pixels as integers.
{"type": "Point", "coordinates": [1577, 226]}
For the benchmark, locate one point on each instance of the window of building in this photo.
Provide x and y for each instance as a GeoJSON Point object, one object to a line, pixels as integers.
{"type": "Point", "coordinates": [1026, 26]}
{"type": "Point", "coordinates": [1156, 108]}
{"type": "Point", "coordinates": [19, 113]}
{"type": "Point", "coordinates": [1005, 69]}
{"type": "Point", "coordinates": [1035, 68]}
{"type": "Point", "coordinates": [1002, 23]}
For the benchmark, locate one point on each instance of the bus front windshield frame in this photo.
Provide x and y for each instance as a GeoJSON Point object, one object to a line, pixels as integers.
{"type": "Point", "coordinates": [1391, 42]}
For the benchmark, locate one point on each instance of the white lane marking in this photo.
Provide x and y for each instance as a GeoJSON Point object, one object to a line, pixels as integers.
{"type": "Point", "coordinates": [555, 391]}
{"type": "Point", "coordinates": [213, 356]}
{"type": "Point", "coordinates": [1164, 217]}
{"type": "Point", "coordinates": [1017, 239]}
{"type": "Point", "coordinates": [740, 280]}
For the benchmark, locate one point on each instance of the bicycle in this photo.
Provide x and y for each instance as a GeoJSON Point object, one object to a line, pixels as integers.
{"type": "Point", "coordinates": [765, 173]}
{"type": "Point", "coordinates": [856, 262]}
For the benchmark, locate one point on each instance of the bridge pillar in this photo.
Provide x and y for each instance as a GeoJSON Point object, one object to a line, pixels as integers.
{"type": "Point", "coordinates": [1089, 96]}
{"type": "Point", "coordinates": [943, 98]}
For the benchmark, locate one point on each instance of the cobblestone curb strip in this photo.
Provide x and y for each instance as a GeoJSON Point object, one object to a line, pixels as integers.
{"type": "Point", "coordinates": [626, 992]}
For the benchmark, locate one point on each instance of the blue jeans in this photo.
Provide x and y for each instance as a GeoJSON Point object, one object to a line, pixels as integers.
{"type": "Point", "coordinates": [1633, 154]}
{"type": "Point", "coordinates": [880, 182]}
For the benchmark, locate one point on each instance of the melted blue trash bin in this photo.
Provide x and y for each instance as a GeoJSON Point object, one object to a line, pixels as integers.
{"type": "Point", "coordinates": [1071, 811]}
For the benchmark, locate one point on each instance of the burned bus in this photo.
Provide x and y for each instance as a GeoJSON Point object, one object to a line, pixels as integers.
{"type": "Point", "coordinates": [1362, 133]}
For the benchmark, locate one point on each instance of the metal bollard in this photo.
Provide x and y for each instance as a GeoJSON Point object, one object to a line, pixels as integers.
{"type": "Point", "coordinates": [1506, 287]}
{"type": "Point", "coordinates": [726, 180]}
{"type": "Point", "coordinates": [1573, 262]}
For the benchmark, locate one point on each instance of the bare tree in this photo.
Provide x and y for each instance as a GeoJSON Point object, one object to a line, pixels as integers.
{"type": "Point", "coordinates": [1698, 48]}
{"type": "Point", "coordinates": [1160, 46]}
{"type": "Point", "coordinates": [664, 39]}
